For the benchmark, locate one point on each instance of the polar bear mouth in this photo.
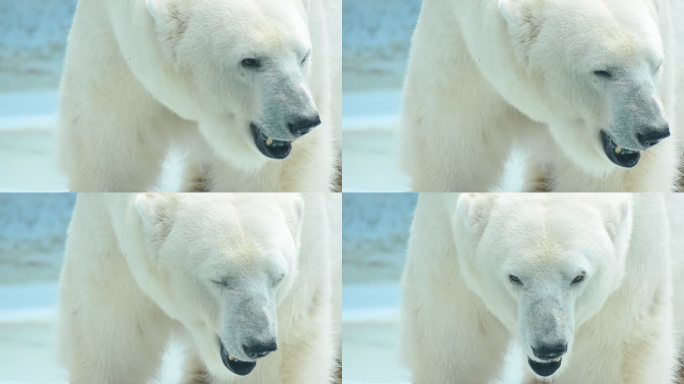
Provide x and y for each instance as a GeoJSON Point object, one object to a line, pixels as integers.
{"type": "Point", "coordinates": [544, 369]}
{"type": "Point", "coordinates": [238, 367]}
{"type": "Point", "coordinates": [269, 147]}
{"type": "Point", "coordinates": [620, 156]}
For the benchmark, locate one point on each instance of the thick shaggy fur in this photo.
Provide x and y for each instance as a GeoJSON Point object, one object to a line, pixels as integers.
{"type": "Point", "coordinates": [145, 76]}
{"type": "Point", "coordinates": [205, 269]}
{"type": "Point", "coordinates": [487, 76]}
{"type": "Point", "coordinates": [461, 308]}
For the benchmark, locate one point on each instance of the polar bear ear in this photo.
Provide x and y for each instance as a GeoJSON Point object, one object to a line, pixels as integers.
{"type": "Point", "coordinates": [156, 211]}
{"type": "Point", "coordinates": [515, 12]}
{"type": "Point", "coordinates": [507, 9]}
{"type": "Point", "coordinates": [473, 210]}
{"type": "Point", "coordinates": [156, 8]}
{"type": "Point", "coordinates": [618, 220]}
{"type": "Point", "coordinates": [294, 215]}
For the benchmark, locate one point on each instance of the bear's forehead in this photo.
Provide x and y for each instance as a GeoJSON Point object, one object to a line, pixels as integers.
{"type": "Point", "coordinates": [617, 25]}
{"type": "Point", "coordinates": [258, 19]}
{"type": "Point", "coordinates": [545, 231]}
{"type": "Point", "coordinates": [538, 218]}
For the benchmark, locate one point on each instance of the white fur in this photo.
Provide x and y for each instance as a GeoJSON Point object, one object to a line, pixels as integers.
{"type": "Point", "coordinates": [485, 76]}
{"type": "Point", "coordinates": [460, 310]}
{"type": "Point", "coordinates": [145, 76]}
{"type": "Point", "coordinates": [140, 269]}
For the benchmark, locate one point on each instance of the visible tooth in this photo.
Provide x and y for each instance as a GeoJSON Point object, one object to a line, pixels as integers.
{"type": "Point", "coordinates": [231, 358]}
{"type": "Point", "coordinates": [618, 150]}
{"type": "Point", "coordinates": [269, 142]}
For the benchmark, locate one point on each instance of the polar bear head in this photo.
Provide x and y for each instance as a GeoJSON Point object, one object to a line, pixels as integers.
{"type": "Point", "coordinates": [592, 71]}
{"type": "Point", "coordinates": [221, 265]}
{"type": "Point", "coordinates": [242, 69]}
{"type": "Point", "coordinates": [543, 265]}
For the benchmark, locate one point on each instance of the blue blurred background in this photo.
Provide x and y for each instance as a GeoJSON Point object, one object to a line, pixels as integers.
{"type": "Point", "coordinates": [376, 36]}
{"type": "Point", "coordinates": [32, 234]}
{"type": "Point", "coordinates": [376, 40]}
{"type": "Point", "coordinates": [374, 234]}
{"type": "Point", "coordinates": [32, 39]}
{"type": "Point", "coordinates": [33, 36]}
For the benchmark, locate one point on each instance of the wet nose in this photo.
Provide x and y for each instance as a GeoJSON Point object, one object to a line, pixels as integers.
{"type": "Point", "coordinates": [550, 351]}
{"type": "Point", "coordinates": [303, 124]}
{"type": "Point", "coordinates": [258, 350]}
{"type": "Point", "coordinates": [653, 135]}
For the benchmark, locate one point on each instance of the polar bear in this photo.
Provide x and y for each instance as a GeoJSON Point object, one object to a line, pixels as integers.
{"type": "Point", "coordinates": [246, 89]}
{"type": "Point", "coordinates": [246, 281]}
{"type": "Point", "coordinates": [586, 88]}
{"type": "Point", "coordinates": [580, 283]}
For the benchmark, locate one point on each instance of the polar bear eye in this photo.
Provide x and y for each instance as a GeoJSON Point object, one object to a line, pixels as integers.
{"type": "Point", "coordinates": [221, 283]}
{"type": "Point", "coordinates": [657, 68]}
{"type": "Point", "coordinates": [603, 74]}
{"type": "Point", "coordinates": [579, 278]}
{"type": "Point", "coordinates": [278, 279]}
{"type": "Point", "coordinates": [305, 59]}
{"type": "Point", "coordinates": [515, 279]}
{"type": "Point", "coordinates": [251, 63]}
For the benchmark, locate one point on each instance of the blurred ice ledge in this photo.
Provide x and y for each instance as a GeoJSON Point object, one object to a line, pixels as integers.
{"type": "Point", "coordinates": [365, 303]}
{"type": "Point", "coordinates": [371, 110]}
{"type": "Point", "coordinates": [28, 110]}
{"type": "Point", "coordinates": [28, 304]}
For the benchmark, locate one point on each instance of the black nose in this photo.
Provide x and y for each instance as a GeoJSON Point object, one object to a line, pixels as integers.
{"type": "Point", "coordinates": [303, 125]}
{"type": "Point", "coordinates": [653, 136]}
{"type": "Point", "coordinates": [258, 350]}
{"type": "Point", "coordinates": [550, 351]}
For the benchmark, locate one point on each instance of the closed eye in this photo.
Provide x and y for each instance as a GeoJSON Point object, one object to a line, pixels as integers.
{"type": "Point", "coordinates": [306, 57]}
{"type": "Point", "coordinates": [657, 68]}
{"type": "Point", "coordinates": [604, 74]}
{"type": "Point", "coordinates": [579, 278]}
{"type": "Point", "coordinates": [279, 279]}
{"type": "Point", "coordinates": [220, 283]}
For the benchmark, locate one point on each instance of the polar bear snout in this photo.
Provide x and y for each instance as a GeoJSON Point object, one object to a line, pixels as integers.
{"type": "Point", "coordinates": [549, 357]}
{"type": "Point", "coordinates": [240, 351]}
{"type": "Point", "coordinates": [286, 115]}
{"type": "Point", "coordinates": [257, 349]}
{"type": "Point", "coordinates": [646, 137]}
{"type": "Point", "coordinates": [546, 329]}
{"type": "Point", "coordinates": [303, 124]}
{"type": "Point", "coordinates": [550, 351]}
{"type": "Point", "coordinates": [638, 122]}
{"type": "Point", "coordinates": [652, 135]}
